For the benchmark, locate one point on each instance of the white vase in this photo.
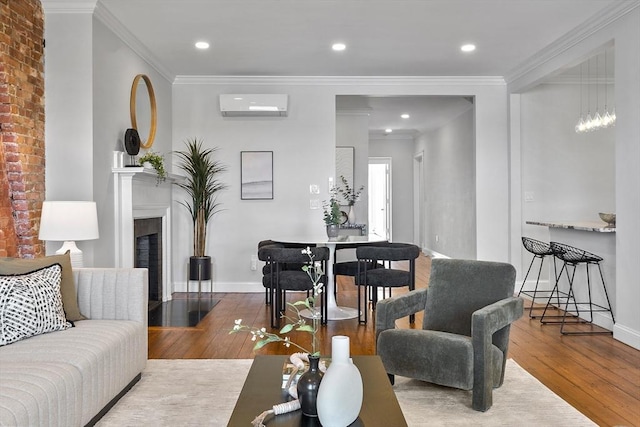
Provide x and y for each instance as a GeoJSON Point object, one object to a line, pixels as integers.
{"type": "Point", "coordinates": [351, 216]}
{"type": "Point", "coordinates": [340, 394]}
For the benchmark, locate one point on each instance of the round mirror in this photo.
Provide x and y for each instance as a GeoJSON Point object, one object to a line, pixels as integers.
{"type": "Point", "coordinates": [142, 107]}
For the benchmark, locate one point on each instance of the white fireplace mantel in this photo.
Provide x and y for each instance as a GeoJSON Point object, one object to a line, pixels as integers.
{"type": "Point", "coordinates": [137, 194]}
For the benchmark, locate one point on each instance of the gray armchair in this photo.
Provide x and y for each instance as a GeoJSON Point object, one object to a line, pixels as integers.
{"type": "Point", "coordinates": [468, 308]}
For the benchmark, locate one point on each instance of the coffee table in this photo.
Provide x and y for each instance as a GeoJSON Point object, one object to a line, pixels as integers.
{"type": "Point", "coordinates": [262, 390]}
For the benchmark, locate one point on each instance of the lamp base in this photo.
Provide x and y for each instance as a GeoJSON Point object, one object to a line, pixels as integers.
{"type": "Point", "coordinates": [74, 253]}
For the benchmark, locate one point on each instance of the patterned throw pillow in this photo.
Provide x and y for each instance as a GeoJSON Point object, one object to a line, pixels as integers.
{"type": "Point", "coordinates": [31, 304]}
{"type": "Point", "coordinates": [67, 283]}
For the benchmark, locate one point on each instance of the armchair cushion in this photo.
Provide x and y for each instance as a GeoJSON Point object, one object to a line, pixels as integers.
{"type": "Point", "coordinates": [433, 356]}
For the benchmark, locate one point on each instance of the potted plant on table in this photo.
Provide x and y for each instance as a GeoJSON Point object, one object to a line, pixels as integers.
{"type": "Point", "coordinates": [332, 215]}
{"type": "Point", "coordinates": [202, 186]}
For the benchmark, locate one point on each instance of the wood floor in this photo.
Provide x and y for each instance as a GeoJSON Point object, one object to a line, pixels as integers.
{"type": "Point", "coordinates": [596, 374]}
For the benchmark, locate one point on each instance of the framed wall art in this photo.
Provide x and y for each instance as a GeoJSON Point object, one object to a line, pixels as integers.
{"type": "Point", "coordinates": [345, 164]}
{"type": "Point", "coordinates": [256, 175]}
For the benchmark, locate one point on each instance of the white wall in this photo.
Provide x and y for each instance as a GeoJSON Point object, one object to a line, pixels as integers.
{"type": "Point", "coordinates": [303, 146]}
{"type": "Point", "coordinates": [352, 130]}
{"type": "Point", "coordinates": [625, 34]}
{"type": "Point", "coordinates": [450, 187]}
{"type": "Point", "coordinates": [401, 152]}
{"type": "Point", "coordinates": [69, 144]}
{"type": "Point", "coordinates": [115, 66]}
{"type": "Point", "coordinates": [88, 77]}
{"type": "Point", "coordinates": [304, 153]}
{"type": "Point", "coordinates": [628, 178]}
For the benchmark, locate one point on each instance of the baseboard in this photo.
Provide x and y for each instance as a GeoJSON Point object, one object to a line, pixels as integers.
{"type": "Point", "coordinates": [627, 335]}
{"type": "Point", "coordinates": [246, 287]}
{"type": "Point", "coordinates": [433, 254]}
{"type": "Point", "coordinates": [544, 286]}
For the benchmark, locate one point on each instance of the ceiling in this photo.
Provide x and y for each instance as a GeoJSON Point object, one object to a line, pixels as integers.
{"type": "Point", "coordinates": [383, 38]}
{"type": "Point", "coordinates": [426, 113]}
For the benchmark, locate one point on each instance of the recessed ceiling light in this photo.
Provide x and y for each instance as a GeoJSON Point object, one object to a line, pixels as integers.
{"type": "Point", "coordinates": [388, 130]}
{"type": "Point", "coordinates": [339, 47]}
{"type": "Point", "coordinates": [468, 47]}
{"type": "Point", "coordinates": [405, 116]}
{"type": "Point", "coordinates": [202, 45]}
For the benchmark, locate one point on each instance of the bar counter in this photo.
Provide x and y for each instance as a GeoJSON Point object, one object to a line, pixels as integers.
{"type": "Point", "coordinates": [595, 226]}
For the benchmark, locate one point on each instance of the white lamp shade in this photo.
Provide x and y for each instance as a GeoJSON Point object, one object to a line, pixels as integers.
{"type": "Point", "coordinates": [64, 221]}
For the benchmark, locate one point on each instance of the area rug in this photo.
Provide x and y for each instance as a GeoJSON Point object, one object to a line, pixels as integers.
{"type": "Point", "coordinates": [181, 312]}
{"type": "Point", "coordinates": [203, 393]}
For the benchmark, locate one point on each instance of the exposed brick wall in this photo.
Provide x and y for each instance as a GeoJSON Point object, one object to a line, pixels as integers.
{"type": "Point", "coordinates": [22, 159]}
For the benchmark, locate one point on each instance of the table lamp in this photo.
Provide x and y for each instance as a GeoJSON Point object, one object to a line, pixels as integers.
{"type": "Point", "coordinates": [68, 222]}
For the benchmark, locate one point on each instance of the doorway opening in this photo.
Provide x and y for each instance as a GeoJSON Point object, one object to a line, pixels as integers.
{"type": "Point", "coordinates": [380, 196]}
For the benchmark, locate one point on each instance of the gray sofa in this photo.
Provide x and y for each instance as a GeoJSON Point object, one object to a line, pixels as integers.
{"type": "Point", "coordinates": [72, 377]}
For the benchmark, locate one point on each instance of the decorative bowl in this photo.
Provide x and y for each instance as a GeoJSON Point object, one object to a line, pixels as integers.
{"type": "Point", "coordinates": [609, 218]}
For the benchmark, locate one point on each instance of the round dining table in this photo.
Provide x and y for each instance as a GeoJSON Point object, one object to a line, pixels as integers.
{"type": "Point", "coordinates": [334, 311]}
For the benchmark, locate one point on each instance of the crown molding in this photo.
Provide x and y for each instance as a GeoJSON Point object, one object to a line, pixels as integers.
{"type": "Point", "coordinates": [104, 15]}
{"type": "Point", "coordinates": [572, 38]}
{"type": "Point", "coordinates": [68, 6]}
{"type": "Point", "coordinates": [343, 80]}
{"type": "Point", "coordinates": [575, 80]}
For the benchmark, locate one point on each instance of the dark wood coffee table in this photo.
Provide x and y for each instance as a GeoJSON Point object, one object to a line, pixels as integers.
{"type": "Point", "coordinates": [262, 390]}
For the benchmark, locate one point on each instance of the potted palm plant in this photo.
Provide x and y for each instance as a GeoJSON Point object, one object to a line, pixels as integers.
{"type": "Point", "coordinates": [202, 185]}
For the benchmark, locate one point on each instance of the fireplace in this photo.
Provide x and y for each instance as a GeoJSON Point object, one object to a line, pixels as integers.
{"type": "Point", "coordinates": [143, 226]}
{"type": "Point", "coordinates": [148, 254]}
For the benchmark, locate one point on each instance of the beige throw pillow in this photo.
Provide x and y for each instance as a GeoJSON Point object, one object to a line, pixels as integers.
{"type": "Point", "coordinates": [67, 286]}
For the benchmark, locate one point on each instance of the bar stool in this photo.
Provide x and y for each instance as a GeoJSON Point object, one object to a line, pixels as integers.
{"type": "Point", "coordinates": [573, 257]}
{"type": "Point", "coordinates": [540, 250]}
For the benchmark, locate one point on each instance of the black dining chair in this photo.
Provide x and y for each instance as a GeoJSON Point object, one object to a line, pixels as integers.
{"type": "Point", "coordinates": [348, 268]}
{"type": "Point", "coordinates": [281, 280]}
{"type": "Point", "coordinates": [390, 276]}
{"type": "Point", "coordinates": [268, 265]}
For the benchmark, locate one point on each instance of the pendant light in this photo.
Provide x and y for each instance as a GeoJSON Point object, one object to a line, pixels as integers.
{"type": "Point", "coordinates": [581, 125]}
{"type": "Point", "coordinates": [589, 120]}
{"type": "Point", "coordinates": [597, 121]}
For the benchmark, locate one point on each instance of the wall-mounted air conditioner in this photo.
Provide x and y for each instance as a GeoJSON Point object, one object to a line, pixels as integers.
{"type": "Point", "coordinates": [243, 105]}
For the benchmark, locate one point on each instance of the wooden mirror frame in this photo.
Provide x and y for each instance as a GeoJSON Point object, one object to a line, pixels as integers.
{"type": "Point", "coordinates": [132, 109]}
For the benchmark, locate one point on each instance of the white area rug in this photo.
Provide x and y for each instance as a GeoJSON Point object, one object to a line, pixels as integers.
{"type": "Point", "coordinates": [203, 393]}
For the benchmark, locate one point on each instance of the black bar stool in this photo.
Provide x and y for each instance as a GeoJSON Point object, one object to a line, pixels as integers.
{"type": "Point", "coordinates": [573, 257]}
{"type": "Point", "coordinates": [540, 250]}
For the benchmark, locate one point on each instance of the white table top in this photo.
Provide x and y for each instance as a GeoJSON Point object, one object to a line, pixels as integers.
{"type": "Point", "coordinates": [324, 240]}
